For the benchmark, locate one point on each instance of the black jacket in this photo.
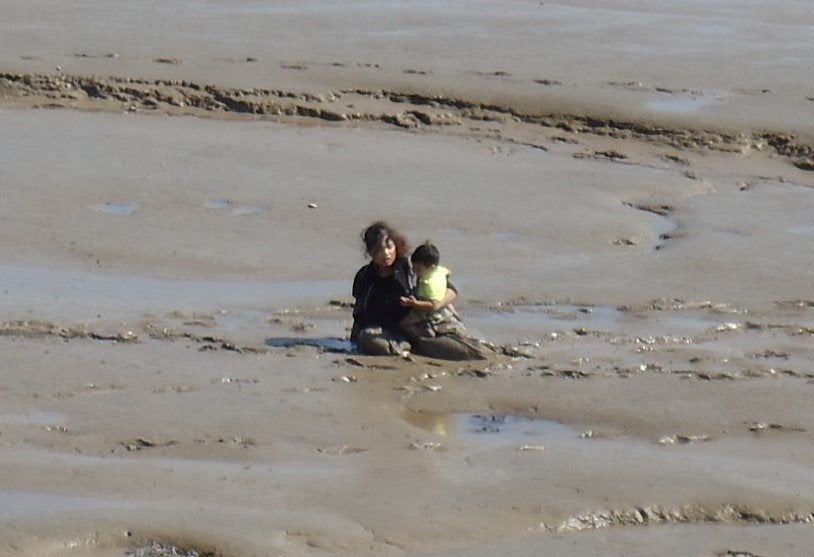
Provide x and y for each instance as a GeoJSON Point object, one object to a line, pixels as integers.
{"type": "Point", "coordinates": [378, 298]}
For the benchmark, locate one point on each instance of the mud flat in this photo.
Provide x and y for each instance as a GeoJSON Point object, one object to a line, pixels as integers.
{"type": "Point", "coordinates": [622, 191]}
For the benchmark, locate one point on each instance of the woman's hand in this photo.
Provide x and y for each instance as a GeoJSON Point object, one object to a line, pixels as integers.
{"type": "Point", "coordinates": [408, 301]}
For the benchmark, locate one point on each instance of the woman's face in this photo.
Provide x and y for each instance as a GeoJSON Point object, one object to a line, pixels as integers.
{"type": "Point", "coordinates": [384, 255]}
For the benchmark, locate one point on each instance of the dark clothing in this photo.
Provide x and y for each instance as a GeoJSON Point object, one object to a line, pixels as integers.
{"type": "Point", "coordinates": [378, 301]}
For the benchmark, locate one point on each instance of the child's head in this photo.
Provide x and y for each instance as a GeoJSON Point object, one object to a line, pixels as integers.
{"type": "Point", "coordinates": [424, 258]}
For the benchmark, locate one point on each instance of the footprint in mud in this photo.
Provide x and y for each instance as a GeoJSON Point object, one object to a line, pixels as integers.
{"type": "Point", "coordinates": [166, 60]}
{"type": "Point", "coordinates": [294, 66]}
{"type": "Point", "coordinates": [548, 82]}
{"type": "Point", "coordinates": [417, 72]}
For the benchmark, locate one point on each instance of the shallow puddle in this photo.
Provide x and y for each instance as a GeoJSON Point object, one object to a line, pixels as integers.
{"type": "Point", "coordinates": [326, 344]}
{"type": "Point", "coordinates": [492, 430]}
{"type": "Point", "coordinates": [117, 208]}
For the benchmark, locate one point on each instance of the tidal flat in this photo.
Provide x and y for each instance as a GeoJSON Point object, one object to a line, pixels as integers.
{"type": "Point", "coordinates": [623, 193]}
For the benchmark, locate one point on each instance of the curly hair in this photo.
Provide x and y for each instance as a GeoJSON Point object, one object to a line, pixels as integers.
{"type": "Point", "coordinates": [379, 230]}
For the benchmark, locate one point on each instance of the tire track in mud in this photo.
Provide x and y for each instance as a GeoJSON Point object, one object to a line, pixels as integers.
{"type": "Point", "coordinates": [404, 110]}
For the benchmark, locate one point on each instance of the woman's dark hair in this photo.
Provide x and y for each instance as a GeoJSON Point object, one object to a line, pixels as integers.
{"type": "Point", "coordinates": [426, 254]}
{"type": "Point", "coordinates": [376, 232]}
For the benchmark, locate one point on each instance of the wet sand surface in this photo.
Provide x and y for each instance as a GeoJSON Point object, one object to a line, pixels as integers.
{"type": "Point", "coordinates": [622, 189]}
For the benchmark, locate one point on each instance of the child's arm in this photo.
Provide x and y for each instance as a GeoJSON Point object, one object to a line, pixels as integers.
{"type": "Point", "coordinates": [449, 296]}
{"type": "Point", "coordinates": [423, 305]}
{"type": "Point", "coordinates": [430, 305]}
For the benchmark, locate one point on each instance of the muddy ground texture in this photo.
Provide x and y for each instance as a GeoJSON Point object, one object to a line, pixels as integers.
{"type": "Point", "coordinates": [179, 235]}
{"type": "Point", "coordinates": [404, 109]}
{"type": "Point", "coordinates": [709, 396]}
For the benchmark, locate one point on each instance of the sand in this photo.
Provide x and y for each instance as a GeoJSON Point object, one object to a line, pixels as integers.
{"type": "Point", "coordinates": [622, 189]}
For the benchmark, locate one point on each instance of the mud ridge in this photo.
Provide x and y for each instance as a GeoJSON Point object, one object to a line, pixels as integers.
{"type": "Point", "coordinates": [405, 110]}
{"type": "Point", "coordinates": [39, 329]}
{"type": "Point", "coordinates": [149, 330]}
{"type": "Point", "coordinates": [656, 515]}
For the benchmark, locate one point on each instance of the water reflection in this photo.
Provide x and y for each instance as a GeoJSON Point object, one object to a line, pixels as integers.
{"type": "Point", "coordinates": [491, 429]}
{"type": "Point", "coordinates": [117, 208]}
{"type": "Point", "coordinates": [326, 344]}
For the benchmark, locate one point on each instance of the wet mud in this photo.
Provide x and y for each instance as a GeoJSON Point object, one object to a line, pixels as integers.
{"type": "Point", "coordinates": [401, 109]}
{"type": "Point", "coordinates": [716, 387]}
{"type": "Point", "coordinates": [176, 376]}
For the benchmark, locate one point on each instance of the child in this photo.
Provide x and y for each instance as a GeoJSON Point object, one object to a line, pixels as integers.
{"type": "Point", "coordinates": [430, 315]}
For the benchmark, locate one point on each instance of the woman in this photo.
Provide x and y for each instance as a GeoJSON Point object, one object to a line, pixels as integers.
{"type": "Point", "coordinates": [378, 288]}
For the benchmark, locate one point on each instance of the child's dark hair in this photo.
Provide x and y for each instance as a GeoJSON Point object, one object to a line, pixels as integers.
{"type": "Point", "coordinates": [426, 254]}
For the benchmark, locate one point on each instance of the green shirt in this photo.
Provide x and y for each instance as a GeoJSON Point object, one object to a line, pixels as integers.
{"type": "Point", "coordinates": [433, 285]}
